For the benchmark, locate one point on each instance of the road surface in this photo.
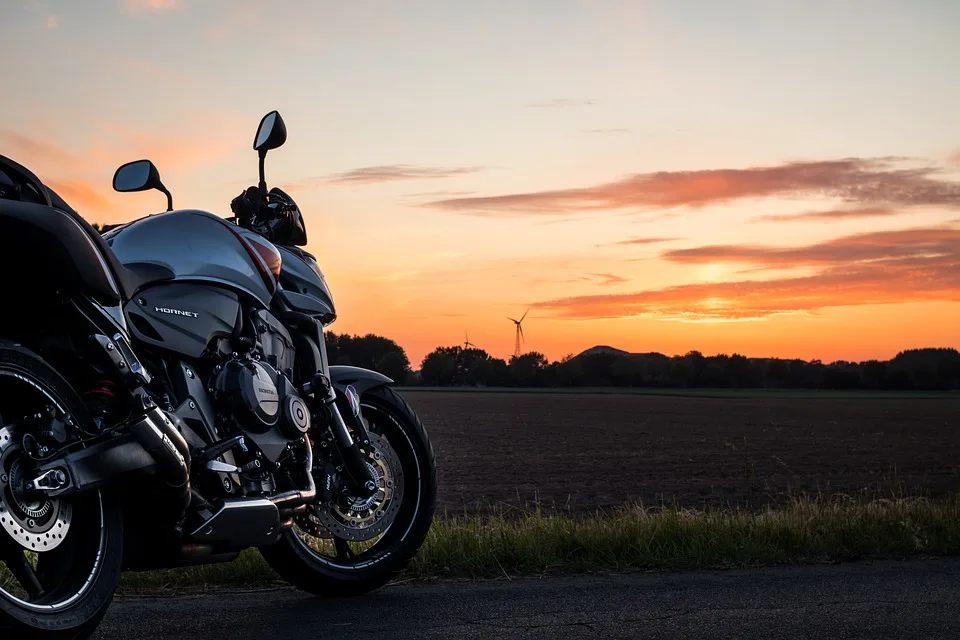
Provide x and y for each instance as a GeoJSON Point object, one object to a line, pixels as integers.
{"type": "Point", "coordinates": [914, 599]}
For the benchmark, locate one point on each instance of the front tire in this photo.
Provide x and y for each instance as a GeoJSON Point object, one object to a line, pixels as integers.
{"type": "Point", "coordinates": [78, 577]}
{"type": "Point", "coordinates": [354, 573]}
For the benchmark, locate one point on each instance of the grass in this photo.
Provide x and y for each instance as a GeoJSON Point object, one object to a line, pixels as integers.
{"type": "Point", "coordinates": [806, 530]}
{"type": "Point", "coordinates": [806, 394]}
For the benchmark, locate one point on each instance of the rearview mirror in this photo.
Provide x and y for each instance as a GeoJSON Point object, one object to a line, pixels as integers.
{"type": "Point", "coordinates": [271, 133]}
{"type": "Point", "coordinates": [140, 175]}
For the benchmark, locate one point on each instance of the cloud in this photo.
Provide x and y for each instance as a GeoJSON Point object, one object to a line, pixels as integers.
{"type": "Point", "coordinates": [82, 196]}
{"type": "Point", "coordinates": [831, 214]}
{"type": "Point", "coordinates": [32, 151]}
{"type": "Point", "coordinates": [53, 22]}
{"type": "Point", "coordinates": [606, 131]}
{"type": "Point", "coordinates": [889, 267]}
{"type": "Point", "coordinates": [639, 241]}
{"type": "Point", "coordinates": [863, 247]}
{"type": "Point", "coordinates": [223, 134]}
{"type": "Point", "coordinates": [954, 158]}
{"type": "Point", "coordinates": [856, 180]}
{"type": "Point", "coordinates": [560, 103]}
{"type": "Point", "coordinates": [435, 194]}
{"type": "Point", "coordinates": [384, 173]}
{"type": "Point", "coordinates": [607, 279]}
{"type": "Point", "coordinates": [135, 6]}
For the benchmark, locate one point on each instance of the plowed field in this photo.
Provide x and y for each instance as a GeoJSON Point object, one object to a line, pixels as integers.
{"type": "Point", "coordinates": [580, 452]}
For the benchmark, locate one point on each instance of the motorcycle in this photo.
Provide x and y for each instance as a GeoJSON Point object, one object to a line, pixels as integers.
{"type": "Point", "coordinates": [166, 400]}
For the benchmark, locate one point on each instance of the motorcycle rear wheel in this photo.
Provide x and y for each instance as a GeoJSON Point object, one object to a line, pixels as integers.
{"type": "Point", "coordinates": [297, 559]}
{"type": "Point", "coordinates": [65, 595]}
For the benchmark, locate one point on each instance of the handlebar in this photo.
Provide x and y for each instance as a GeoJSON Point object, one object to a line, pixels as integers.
{"type": "Point", "coordinates": [273, 214]}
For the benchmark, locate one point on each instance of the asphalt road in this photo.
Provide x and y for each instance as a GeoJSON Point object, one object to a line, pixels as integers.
{"type": "Point", "coordinates": [914, 599]}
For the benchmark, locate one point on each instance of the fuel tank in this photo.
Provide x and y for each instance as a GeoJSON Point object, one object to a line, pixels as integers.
{"type": "Point", "coordinates": [201, 247]}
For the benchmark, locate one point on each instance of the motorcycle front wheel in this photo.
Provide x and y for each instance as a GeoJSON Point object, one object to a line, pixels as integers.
{"type": "Point", "coordinates": [60, 558]}
{"type": "Point", "coordinates": [352, 547]}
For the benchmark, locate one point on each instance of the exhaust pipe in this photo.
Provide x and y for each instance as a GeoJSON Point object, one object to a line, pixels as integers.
{"type": "Point", "coordinates": [292, 500]}
{"type": "Point", "coordinates": [159, 437]}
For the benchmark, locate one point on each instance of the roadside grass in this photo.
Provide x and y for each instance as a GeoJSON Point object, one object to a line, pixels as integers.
{"type": "Point", "coordinates": [751, 394]}
{"type": "Point", "coordinates": [808, 529]}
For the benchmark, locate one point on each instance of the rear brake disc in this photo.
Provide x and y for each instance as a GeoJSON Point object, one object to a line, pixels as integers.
{"type": "Point", "coordinates": [36, 525]}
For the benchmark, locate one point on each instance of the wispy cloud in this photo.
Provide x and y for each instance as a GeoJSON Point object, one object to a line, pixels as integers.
{"type": "Point", "coordinates": [134, 6]}
{"type": "Point", "coordinates": [638, 241]}
{"type": "Point", "coordinates": [82, 196]}
{"type": "Point", "coordinates": [888, 267]}
{"type": "Point", "coordinates": [607, 279]}
{"type": "Point", "coordinates": [847, 250]}
{"type": "Point", "coordinates": [606, 131]}
{"type": "Point", "coordinates": [437, 194]}
{"type": "Point", "coordinates": [560, 103]}
{"type": "Point", "coordinates": [875, 182]}
{"type": "Point", "coordinates": [384, 173]}
{"type": "Point", "coordinates": [29, 151]}
{"type": "Point", "coordinates": [110, 144]}
{"type": "Point", "coordinates": [225, 134]}
{"type": "Point", "coordinates": [830, 214]}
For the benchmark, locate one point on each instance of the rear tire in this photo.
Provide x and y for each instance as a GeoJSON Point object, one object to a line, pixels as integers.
{"type": "Point", "coordinates": [307, 570]}
{"type": "Point", "coordinates": [96, 532]}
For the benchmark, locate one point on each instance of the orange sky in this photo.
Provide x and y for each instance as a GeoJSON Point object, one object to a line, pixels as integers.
{"type": "Point", "coordinates": [768, 178]}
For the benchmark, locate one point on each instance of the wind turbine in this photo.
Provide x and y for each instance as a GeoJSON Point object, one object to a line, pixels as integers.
{"type": "Point", "coordinates": [466, 343]}
{"type": "Point", "coordinates": [519, 323]}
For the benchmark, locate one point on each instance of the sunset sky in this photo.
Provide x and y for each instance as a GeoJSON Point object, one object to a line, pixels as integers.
{"type": "Point", "coordinates": [768, 177]}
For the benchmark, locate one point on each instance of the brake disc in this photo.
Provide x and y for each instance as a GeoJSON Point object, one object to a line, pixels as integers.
{"type": "Point", "coordinates": [356, 519]}
{"type": "Point", "coordinates": [36, 524]}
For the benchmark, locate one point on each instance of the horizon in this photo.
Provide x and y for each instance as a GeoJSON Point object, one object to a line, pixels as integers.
{"type": "Point", "coordinates": [415, 364]}
{"type": "Point", "coordinates": [755, 177]}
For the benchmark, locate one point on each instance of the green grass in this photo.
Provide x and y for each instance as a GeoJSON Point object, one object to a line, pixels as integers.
{"type": "Point", "coordinates": [810, 394]}
{"type": "Point", "coordinates": [807, 530]}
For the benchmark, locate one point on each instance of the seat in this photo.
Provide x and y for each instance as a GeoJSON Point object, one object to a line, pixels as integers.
{"type": "Point", "coordinates": [129, 278]}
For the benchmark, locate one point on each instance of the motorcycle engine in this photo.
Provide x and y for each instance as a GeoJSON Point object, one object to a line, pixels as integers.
{"type": "Point", "coordinates": [254, 396]}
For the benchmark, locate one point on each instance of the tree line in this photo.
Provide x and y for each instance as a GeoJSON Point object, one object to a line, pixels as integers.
{"type": "Point", "coordinates": [912, 369]}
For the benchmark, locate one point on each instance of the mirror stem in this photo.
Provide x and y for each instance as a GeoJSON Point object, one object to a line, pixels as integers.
{"type": "Point", "coordinates": [169, 198]}
{"type": "Point", "coordinates": [263, 181]}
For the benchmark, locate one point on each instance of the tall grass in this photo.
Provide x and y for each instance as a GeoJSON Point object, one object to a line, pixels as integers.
{"type": "Point", "coordinates": [633, 538]}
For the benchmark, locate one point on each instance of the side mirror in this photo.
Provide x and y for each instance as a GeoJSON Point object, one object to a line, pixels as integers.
{"type": "Point", "coordinates": [271, 133]}
{"type": "Point", "coordinates": [140, 175]}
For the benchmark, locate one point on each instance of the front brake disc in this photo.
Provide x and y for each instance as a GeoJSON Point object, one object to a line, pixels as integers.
{"type": "Point", "coordinates": [356, 519]}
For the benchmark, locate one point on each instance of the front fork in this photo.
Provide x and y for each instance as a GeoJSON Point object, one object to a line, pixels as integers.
{"type": "Point", "coordinates": [351, 439]}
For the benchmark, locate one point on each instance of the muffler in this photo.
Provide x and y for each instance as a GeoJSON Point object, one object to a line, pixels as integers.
{"type": "Point", "coordinates": [153, 446]}
{"type": "Point", "coordinates": [157, 434]}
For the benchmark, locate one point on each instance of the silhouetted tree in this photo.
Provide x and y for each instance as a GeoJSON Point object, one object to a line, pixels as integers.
{"type": "Point", "coordinates": [440, 367]}
{"type": "Point", "coordinates": [527, 369]}
{"type": "Point", "coordinates": [911, 369]}
{"type": "Point", "coordinates": [370, 352]}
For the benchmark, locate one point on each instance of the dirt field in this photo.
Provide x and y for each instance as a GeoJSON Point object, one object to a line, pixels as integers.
{"type": "Point", "coordinates": [581, 452]}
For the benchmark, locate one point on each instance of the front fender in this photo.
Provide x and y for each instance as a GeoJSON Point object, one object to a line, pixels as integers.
{"type": "Point", "coordinates": [362, 379]}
